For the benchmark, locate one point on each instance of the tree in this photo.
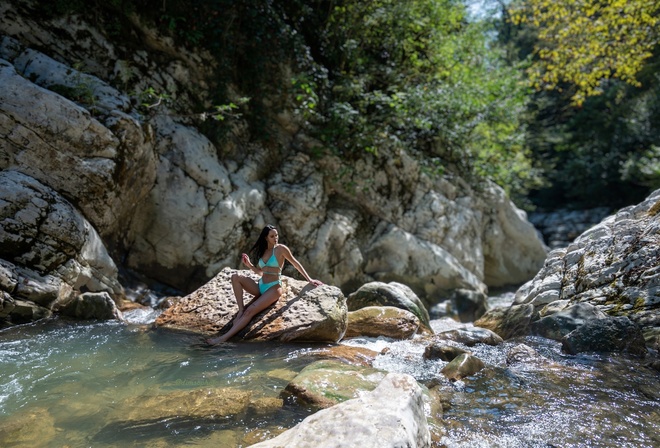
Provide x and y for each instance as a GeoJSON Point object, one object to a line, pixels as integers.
{"type": "Point", "coordinates": [413, 75]}
{"type": "Point", "coordinates": [583, 42]}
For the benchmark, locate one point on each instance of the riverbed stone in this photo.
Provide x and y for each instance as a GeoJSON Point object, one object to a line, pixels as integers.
{"type": "Point", "coordinates": [386, 321]}
{"type": "Point", "coordinates": [357, 356]}
{"type": "Point", "coordinates": [30, 427]}
{"type": "Point", "coordinates": [304, 313]}
{"type": "Point", "coordinates": [443, 351]}
{"type": "Point", "coordinates": [389, 294]}
{"type": "Point", "coordinates": [390, 416]}
{"type": "Point", "coordinates": [462, 366]}
{"type": "Point", "coordinates": [325, 383]}
{"type": "Point", "coordinates": [609, 334]}
{"type": "Point", "coordinates": [215, 403]}
{"type": "Point", "coordinates": [470, 336]}
{"type": "Point", "coordinates": [521, 353]}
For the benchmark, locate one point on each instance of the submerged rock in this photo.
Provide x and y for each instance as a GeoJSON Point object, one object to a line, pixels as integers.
{"type": "Point", "coordinates": [390, 416]}
{"type": "Point", "coordinates": [387, 321]}
{"type": "Point", "coordinates": [304, 312]}
{"type": "Point", "coordinates": [325, 383]}
{"type": "Point", "coordinates": [522, 353]}
{"type": "Point", "coordinates": [357, 356]}
{"type": "Point", "coordinates": [462, 366]}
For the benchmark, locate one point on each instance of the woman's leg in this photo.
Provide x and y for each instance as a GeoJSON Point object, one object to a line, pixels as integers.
{"type": "Point", "coordinates": [240, 283]}
{"type": "Point", "coordinates": [256, 306]}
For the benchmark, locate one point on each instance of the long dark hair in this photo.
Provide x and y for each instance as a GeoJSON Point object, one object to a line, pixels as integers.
{"type": "Point", "coordinates": [261, 245]}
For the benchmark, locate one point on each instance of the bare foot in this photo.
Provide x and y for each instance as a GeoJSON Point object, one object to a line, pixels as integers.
{"type": "Point", "coordinates": [212, 341]}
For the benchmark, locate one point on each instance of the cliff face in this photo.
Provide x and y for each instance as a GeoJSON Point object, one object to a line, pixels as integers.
{"type": "Point", "coordinates": [169, 203]}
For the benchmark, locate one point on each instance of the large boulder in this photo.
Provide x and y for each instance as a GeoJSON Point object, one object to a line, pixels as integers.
{"type": "Point", "coordinates": [51, 255]}
{"type": "Point", "coordinates": [390, 416]}
{"type": "Point", "coordinates": [386, 321]}
{"type": "Point", "coordinates": [557, 325]}
{"type": "Point", "coordinates": [610, 270]}
{"type": "Point", "coordinates": [304, 312]}
{"type": "Point", "coordinates": [389, 294]}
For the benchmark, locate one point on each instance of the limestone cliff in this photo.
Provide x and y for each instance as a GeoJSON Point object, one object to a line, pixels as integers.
{"type": "Point", "coordinates": [171, 204]}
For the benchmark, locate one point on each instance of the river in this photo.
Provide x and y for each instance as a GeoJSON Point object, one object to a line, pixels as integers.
{"type": "Point", "coordinates": [79, 384]}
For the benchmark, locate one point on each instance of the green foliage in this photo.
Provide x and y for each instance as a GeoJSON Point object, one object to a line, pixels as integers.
{"type": "Point", "coordinates": [601, 153]}
{"type": "Point", "coordinates": [583, 42]}
{"type": "Point", "coordinates": [149, 99]}
{"type": "Point", "coordinates": [413, 75]}
{"type": "Point", "coordinates": [369, 78]}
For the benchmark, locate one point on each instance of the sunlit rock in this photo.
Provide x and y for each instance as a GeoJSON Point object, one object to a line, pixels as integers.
{"type": "Point", "coordinates": [390, 416]}
{"type": "Point", "coordinates": [387, 321]}
{"type": "Point", "coordinates": [470, 336]}
{"type": "Point", "coordinates": [609, 271]}
{"type": "Point", "coordinates": [325, 383]}
{"type": "Point", "coordinates": [103, 161]}
{"type": "Point", "coordinates": [304, 312]}
{"type": "Point", "coordinates": [50, 253]}
{"type": "Point", "coordinates": [391, 294]}
{"type": "Point", "coordinates": [462, 366]}
{"type": "Point", "coordinates": [443, 351]}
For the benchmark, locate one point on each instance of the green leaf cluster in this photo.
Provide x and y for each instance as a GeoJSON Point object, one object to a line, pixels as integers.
{"type": "Point", "coordinates": [602, 149]}
{"type": "Point", "coordinates": [420, 76]}
{"type": "Point", "coordinates": [583, 42]}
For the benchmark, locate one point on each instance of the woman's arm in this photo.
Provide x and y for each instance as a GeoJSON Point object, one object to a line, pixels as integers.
{"type": "Point", "coordinates": [296, 264]}
{"type": "Point", "coordinates": [246, 261]}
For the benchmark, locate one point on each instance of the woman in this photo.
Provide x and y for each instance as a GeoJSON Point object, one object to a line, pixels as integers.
{"type": "Point", "coordinates": [271, 258]}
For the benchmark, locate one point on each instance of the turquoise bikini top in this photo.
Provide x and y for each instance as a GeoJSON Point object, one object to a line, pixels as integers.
{"type": "Point", "coordinates": [271, 263]}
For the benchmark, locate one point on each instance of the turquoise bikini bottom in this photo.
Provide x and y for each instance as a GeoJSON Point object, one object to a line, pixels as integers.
{"type": "Point", "coordinates": [263, 287]}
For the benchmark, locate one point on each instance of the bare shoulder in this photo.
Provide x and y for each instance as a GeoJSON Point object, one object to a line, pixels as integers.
{"type": "Point", "coordinates": [282, 249]}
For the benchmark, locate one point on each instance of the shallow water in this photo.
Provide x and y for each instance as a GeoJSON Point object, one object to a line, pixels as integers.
{"type": "Point", "coordinates": [66, 383]}
{"type": "Point", "coordinates": [82, 384]}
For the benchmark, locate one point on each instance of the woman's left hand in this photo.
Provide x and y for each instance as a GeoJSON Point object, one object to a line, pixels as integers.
{"type": "Point", "coordinates": [316, 282]}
